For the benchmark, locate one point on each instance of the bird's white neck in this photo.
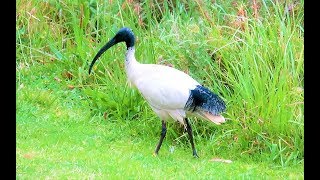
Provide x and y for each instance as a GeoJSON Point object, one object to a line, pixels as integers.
{"type": "Point", "coordinates": [131, 64]}
{"type": "Point", "coordinates": [130, 55]}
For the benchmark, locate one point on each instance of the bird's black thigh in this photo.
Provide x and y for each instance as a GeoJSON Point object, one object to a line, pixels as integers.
{"type": "Point", "coordinates": [163, 134]}
{"type": "Point", "coordinates": [189, 130]}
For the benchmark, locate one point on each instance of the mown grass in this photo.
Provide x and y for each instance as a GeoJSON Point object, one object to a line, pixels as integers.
{"type": "Point", "coordinates": [70, 124]}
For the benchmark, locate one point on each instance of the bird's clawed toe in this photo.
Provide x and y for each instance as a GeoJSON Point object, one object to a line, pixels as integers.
{"type": "Point", "coordinates": [195, 154]}
{"type": "Point", "coordinates": [155, 154]}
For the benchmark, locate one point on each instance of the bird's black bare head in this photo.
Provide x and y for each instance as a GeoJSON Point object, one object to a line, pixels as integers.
{"type": "Point", "coordinates": [123, 35]}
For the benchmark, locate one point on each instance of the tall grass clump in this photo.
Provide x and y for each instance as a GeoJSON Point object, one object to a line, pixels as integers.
{"type": "Point", "coordinates": [249, 52]}
{"type": "Point", "coordinates": [254, 61]}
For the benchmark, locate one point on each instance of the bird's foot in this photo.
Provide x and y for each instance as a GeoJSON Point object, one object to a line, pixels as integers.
{"type": "Point", "coordinates": [195, 154]}
{"type": "Point", "coordinates": [155, 154]}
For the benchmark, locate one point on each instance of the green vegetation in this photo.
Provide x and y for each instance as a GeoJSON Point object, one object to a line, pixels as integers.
{"type": "Point", "coordinates": [74, 125]}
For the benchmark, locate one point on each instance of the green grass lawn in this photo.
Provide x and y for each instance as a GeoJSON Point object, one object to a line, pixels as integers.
{"type": "Point", "coordinates": [58, 137]}
{"type": "Point", "coordinates": [71, 125]}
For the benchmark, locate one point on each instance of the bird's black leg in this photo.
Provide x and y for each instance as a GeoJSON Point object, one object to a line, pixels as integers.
{"type": "Point", "coordinates": [163, 134]}
{"type": "Point", "coordinates": [189, 130]}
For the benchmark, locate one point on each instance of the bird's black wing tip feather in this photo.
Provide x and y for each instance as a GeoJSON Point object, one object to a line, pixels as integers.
{"type": "Point", "coordinates": [201, 98]}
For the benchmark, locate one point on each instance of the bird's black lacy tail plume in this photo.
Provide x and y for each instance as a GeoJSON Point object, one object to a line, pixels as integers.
{"type": "Point", "coordinates": [201, 98]}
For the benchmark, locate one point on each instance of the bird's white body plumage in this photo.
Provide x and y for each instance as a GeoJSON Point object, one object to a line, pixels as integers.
{"type": "Point", "coordinates": [165, 89]}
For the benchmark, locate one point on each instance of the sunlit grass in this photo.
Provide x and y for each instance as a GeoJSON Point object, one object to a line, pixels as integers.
{"type": "Point", "coordinates": [71, 124]}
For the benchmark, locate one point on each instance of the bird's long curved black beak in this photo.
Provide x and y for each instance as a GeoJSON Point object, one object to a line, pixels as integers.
{"type": "Point", "coordinates": [123, 35]}
{"type": "Point", "coordinates": [101, 51]}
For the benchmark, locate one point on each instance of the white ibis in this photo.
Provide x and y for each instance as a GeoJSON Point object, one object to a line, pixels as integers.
{"type": "Point", "coordinates": [172, 94]}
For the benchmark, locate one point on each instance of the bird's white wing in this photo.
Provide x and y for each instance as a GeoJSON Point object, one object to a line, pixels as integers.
{"type": "Point", "coordinates": [164, 87]}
